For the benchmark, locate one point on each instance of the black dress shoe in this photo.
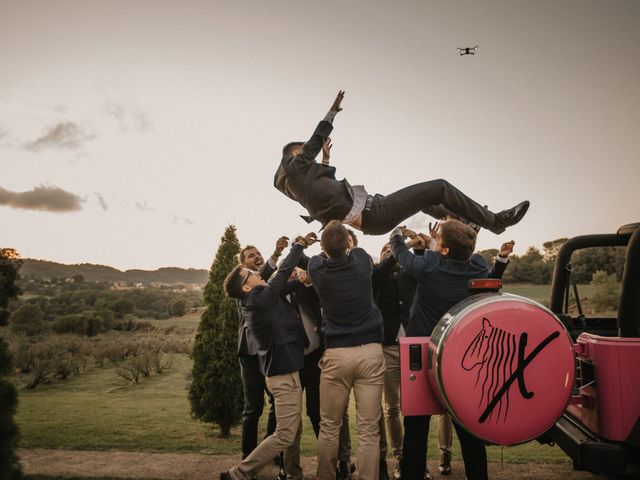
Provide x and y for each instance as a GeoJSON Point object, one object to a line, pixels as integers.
{"type": "Point", "coordinates": [384, 471]}
{"type": "Point", "coordinates": [445, 463]}
{"type": "Point", "coordinates": [507, 218]}
{"type": "Point", "coordinates": [345, 469]}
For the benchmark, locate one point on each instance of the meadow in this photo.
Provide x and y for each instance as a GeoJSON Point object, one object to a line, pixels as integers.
{"type": "Point", "coordinates": [89, 412]}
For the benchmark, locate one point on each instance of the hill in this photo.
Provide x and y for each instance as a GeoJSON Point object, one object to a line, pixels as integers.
{"type": "Point", "coordinates": [102, 273]}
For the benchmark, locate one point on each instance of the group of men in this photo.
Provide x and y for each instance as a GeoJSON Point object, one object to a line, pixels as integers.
{"type": "Point", "coordinates": [329, 324]}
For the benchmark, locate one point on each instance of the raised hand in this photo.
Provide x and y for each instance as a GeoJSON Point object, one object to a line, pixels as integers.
{"type": "Point", "coordinates": [310, 238]}
{"type": "Point", "coordinates": [326, 151]}
{"type": "Point", "coordinates": [408, 233]}
{"type": "Point", "coordinates": [336, 103]}
{"type": "Point", "coordinates": [506, 249]}
{"type": "Point", "coordinates": [281, 244]}
{"type": "Point", "coordinates": [433, 229]}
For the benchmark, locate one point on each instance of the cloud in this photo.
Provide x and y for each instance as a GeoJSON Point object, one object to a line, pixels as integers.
{"type": "Point", "coordinates": [2, 133]}
{"type": "Point", "coordinates": [128, 117]}
{"type": "Point", "coordinates": [63, 135]}
{"type": "Point", "coordinates": [101, 201]}
{"type": "Point", "coordinates": [42, 198]}
{"type": "Point", "coordinates": [144, 207]}
{"type": "Point", "coordinates": [181, 220]}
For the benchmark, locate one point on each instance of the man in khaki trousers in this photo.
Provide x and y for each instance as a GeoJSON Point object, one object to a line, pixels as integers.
{"type": "Point", "coordinates": [353, 357]}
{"type": "Point", "coordinates": [276, 326]}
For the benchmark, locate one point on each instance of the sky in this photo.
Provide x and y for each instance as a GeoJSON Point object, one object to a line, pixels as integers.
{"type": "Point", "coordinates": [133, 132]}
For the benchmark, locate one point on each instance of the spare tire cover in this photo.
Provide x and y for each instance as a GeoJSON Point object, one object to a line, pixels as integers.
{"type": "Point", "coordinates": [503, 366]}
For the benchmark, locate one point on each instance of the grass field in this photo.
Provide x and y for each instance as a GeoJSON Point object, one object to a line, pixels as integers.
{"type": "Point", "coordinates": [155, 416]}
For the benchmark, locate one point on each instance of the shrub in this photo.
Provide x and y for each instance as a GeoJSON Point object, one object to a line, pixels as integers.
{"type": "Point", "coordinates": [177, 307]}
{"type": "Point", "coordinates": [27, 319]}
{"type": "Point", "coordinates": [606, 291]}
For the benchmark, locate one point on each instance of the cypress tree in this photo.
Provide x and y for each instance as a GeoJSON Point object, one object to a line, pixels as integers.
{"type": "Point", "coordinates": [9, 465]}
{"type": "Point", "coordinates": [216, 388]}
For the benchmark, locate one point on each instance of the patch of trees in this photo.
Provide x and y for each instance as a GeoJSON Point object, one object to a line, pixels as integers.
{"type": "Point", "coordinates": [537, 266]}
{"type": "Point", "coordinates": [87, 310]}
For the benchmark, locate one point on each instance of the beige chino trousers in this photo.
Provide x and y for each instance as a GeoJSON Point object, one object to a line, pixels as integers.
{"type": "Point", "coordinates": [361, 369]}
{"type": "Point", "coordinates": [287, 394]}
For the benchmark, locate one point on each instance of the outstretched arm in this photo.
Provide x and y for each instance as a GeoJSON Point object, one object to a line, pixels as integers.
{"type": "Point", "coordinates": [502, 260]}
{"type": "Point", "coordinates": [413, 264]}
{"type": "Point", "coordinates": [313, 146]}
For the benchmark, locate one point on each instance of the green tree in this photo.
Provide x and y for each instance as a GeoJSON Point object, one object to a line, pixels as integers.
{"type": "Point", "coordinates": [177, 307]}
{"type": "Point", "coordinates": [606, 291]}
{"type": "Point", "coordinates": [27, 319]}
{"type": "Point", "coordinates": [552, 247]}
{"type": "Point", "coordinates": [216, 389]}
{"type": "Point", "coordinates": [9, 289]}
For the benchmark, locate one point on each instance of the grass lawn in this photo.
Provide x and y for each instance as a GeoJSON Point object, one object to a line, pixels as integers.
{"type": "Point", "coordinates": [155, 416]}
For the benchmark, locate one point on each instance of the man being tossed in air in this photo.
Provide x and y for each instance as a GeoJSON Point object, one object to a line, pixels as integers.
{"type": "Point", "coordinates": [315, 187]}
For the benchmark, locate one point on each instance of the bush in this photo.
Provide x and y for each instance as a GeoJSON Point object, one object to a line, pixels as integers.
{"type": "Point", "coordinates": [606, 291]}
{"type": "Point", "coordinates": [177, 307]}
{"type": "Point", "coordinates": [27, 320]}
{"type": "Point", "coordinates": [86, 323]}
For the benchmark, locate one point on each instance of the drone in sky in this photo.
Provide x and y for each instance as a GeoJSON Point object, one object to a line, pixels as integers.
{"type": "Point", "coordinates": [467, 50]}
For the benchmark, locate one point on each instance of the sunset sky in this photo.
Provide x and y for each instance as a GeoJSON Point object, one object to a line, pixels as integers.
{"type": "Point", "coordinates": [133, 132]}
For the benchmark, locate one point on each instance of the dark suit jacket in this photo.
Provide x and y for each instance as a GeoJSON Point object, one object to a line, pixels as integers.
{"type": "Point", "coordinates": [442, 282]}
{"type": "Point", "coordinates": [247, 345]}
{"type": "Point", "coordinates": [275, 323]}
{"type": "Point", "coordinates": [350, 318]}
{"type": "Point", "coordinates": [313, 184]}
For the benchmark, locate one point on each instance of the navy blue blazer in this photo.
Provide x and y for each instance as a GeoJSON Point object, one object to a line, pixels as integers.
{"type": "Point", "coordinates": [350, 317]}
{"type": "Point", "coordinates": [274, 322]}
{"type": "Point", "coordinates": [442, 282]}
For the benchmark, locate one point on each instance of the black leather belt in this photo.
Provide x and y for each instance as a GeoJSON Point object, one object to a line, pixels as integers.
{"type": "Point", "coordinates": [369, 203]}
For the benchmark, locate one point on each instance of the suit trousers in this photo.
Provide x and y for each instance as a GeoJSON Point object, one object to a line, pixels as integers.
{"type": "Point", "coordinates": [359, 368]}
{"type": "Point", "coordinates": [310, 379]}
{"type": "Point", "coordinates": [445, 438]}
{"type": "Point", "coordinates": [287, 394]}
{"type": "Point", "coordinates": [253, 386]}
{"type": "Point", "coordinates": [392, 398]}
{"type": "Point", "coordinates": [414, 450]}
{"type": "Point", "coordinates": [391, 210]}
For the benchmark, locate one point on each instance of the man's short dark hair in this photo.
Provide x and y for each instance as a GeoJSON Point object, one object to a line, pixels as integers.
{"type": "Point", "coordinates": [459, 238]}
{"type": "Point", "coordinates": [233, 283]}
{"type": "Point", "coordinates": [334, 239]}
{"type": "Point", "coordinates": [287, 150]}
{"type": "Point", "coordinates": [354, 237]}
{"type": "Point", "coordinates": [241, 256]}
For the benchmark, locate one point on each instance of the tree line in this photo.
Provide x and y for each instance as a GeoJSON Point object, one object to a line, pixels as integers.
{"type": "Point", "coordinates": [537, 266]}
{"type": "Point", "coordinates": [89, 308]}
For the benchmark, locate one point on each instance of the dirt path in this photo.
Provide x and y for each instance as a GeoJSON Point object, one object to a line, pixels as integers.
{"type": "Point", "coordinates": [172, 466]}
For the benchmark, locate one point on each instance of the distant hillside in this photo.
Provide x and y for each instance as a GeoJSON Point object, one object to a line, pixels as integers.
{"type": "Point", "coordinates": [103, 273]}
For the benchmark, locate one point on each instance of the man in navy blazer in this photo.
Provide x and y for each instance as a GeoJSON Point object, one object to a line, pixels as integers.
{"type": "Point", "coordinates": [315, 187]}
{"type": "Point", "coordinates": [276, 326]}
{"type": "Point", "coordinates": [442, 275]}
